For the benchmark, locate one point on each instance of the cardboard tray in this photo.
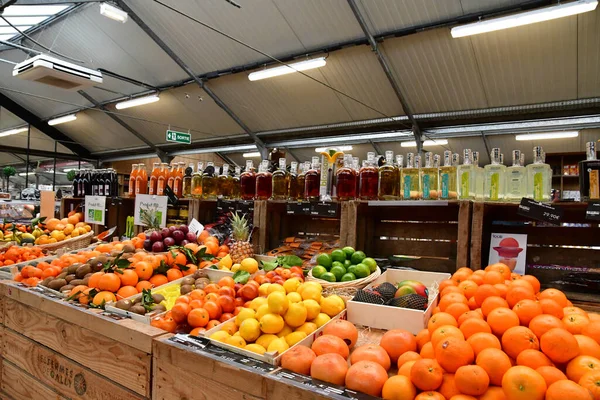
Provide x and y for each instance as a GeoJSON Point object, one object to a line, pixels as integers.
{"type": "Point", "coordinates": [215, 274]}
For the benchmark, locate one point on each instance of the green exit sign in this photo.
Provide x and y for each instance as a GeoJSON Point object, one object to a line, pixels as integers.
{"type": "Point", "coordinates": [179, 137]}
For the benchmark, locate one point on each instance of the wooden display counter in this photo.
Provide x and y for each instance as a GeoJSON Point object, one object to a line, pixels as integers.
{"type": "Point", "coordinates": [53, 349]}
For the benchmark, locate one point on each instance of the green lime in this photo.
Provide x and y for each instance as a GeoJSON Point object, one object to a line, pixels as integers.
{"type": "Point", "coordinates": [337, 264]}
{"type": "Point", "coordinates": [328, 276]}
{"type": "Point", "coordinates": [362, 271]}
{"type": "Point", "coordinates": [351, 269]}
{"type": "Point", "coordinates": [348, 277]}
{"type": "Point", "coordinates": [324, 260]}
{"type": "Point", "coordinates": [371, 263]}
{"type": "Point", "coordinates": [348, 251]}
{"type": "Point", "coordinates": [338, 255]}
{"type": "Point", "coordinates": [318, 271]}
{"type": "Point", "coordinates": [338, 272]}
{"type": "Point", "coordinates": [357, 257]}
{"type": "Point", "coordinates": [347, 263]}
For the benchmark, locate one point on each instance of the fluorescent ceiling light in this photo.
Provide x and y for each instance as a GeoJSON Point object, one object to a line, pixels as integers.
{"type": "Point", "coordinates": [360, 138]}
{"type": "Point", "coordinates": [439, 142]}
{"type": "Point", "coordinates": [62, 120]}
{"type": "Point", "coordinates": [251, 155]}
{"type": "Point", "coordinates": [549, 135]}
{"type": "Point", "coordinates": [32, 10]}
{"type": "Point", "coordinates": [26, 173]}
{"type": "Point", "coordinates": [9, 29]}
{"type": "Point", "coordinates": [525, 18]}
{"type": "Point", "coordinates": [13, 131]}
{"type": "Point", "coordinates": [137, 102]}
{"type": "Point", "coordinates": [22, 21]}
{"type": "Point", "coordinates": [288, 69]}
{"type": "Point", "coordinates": [340, 148]}
{"type": "Point", "coordinates": [113, 12]}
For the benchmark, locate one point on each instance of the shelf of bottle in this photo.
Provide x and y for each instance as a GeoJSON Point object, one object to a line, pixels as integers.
{"type": "Point", "coordinates": [565, 176]}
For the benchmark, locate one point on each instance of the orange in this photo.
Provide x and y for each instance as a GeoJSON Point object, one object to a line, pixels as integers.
{"type": "Point", "coordinates": [517, 293]}
{"type": "Point", "coordinates": [587, 346]}
{"type": "Point", "coordinates": [493, 277]}
{"type": "Point", "coordinates": [462, 274]}
{"type": "Point", "coordinates": [503, 269]}
{"type": "Point", "coordinates": [457, 309]}
{"type": "Point", "coordinates": [502, 289]}
{"type": "Point", "coordinates": [535, 283]}
{"type": "Point", "coordinates": [501, 319]}
{"type": "Point", "coordinates": [472, 379]}
{"type": "Point", "coordinates": [533, 359]}
{"type": "Point", "coordinates": [592, 330]}
{"type": "Point", "coordinates": [440, 319]}
{"type": "Point", "coordinates": [180, 312]}
{"type": "Point", "coordinates": [481, 341]}
{"type": "Point", "coordinates": [471, 326]}
{"type": "Point", "coordinates": [173, 274]}
{"type": "Point", "coordinates": [399, 388]}
{"type": "Point", "coordinates": [94, 281]}
{"type": "Point", "coordinates": [491, 303]}
{"type": "Point", "coordinates": [226, 281]}
{"type": "Point", "coordinates": [430, 395]}
{"type": "Point", "coordinates": [398, 341]}
{"type": "Point", "coordinates": [197, 331]}
{"type": "Point", "coordinates": [527, 310]}
{"type": "Point", "coordinates": [330, 344]}
{"type": "Point", "coordinates": [128, 277]}
{"type": "Point", "coordinates": [422, 337]}
{"type": "Point", "coordinates": [426, 374]}
{"type": "Point", "coordinates": [408, 356]}
{"type": "Point", "coordinates": [176, 257]}
{"type": "Point", "coordinates": [330, 368]}
{"type": "Point", "coordinates": [451, 289]}
{"type": "Point", "coordinates": [214, 309]}
{"type": "Point", "coordinates": [543, 323]}
{"type": "Point", "coordinates": [575, 323]}
{"type": "Point", "coordinates": [109, 282]}
{"type": "Point", "coordinates": [371, 352]}
{"type": "Point", "coordinates": [298, 359]}
{"type": "Point", "coordinates": [451, 298]}
{"type": "Point", "coordinates": [559, 345]}
{"type": "Point", "coordinates": [523, 383]}
{"type": "Point", "coordinates": [452, 353]}
{"type": "Point", "coordinates": [551, 374]}
{"type": "Point", "coordinates": [446, 283]}
{"type": "Point", "coordinates": [104, 297]}
{"type": "Point", "coordinates": [468, 288]}
{"type": "Point", "coordinates": [366, 377]}
{"type": "Point", "coordinates": [427, 351]}
{"type": "Point", "coordinates": [344, 330]}
{"type": "Point", "coordinates": [580, 366]}
{"type": "Point", "coordinates": [517, 339]}
{"type": "Point", "coordinates": [444, 332]}
{"type": "Point", "coordinates": [158, 280]}
{"type": "Point", "coordinates": [556, 295]}
{"type": "Point", "coordinates": [483, 292]}
{"type": "Point", "coordinates": [591, 382]}
{"type": "Point", "coordinates": [493, 393]}
{"type": "Point", "coordinates": [477, 277]}
{"type": "Point", "coordinates": [143, 285]}
{"type": "Point", "coordinates": [126, 291]}
{"type": "Point", "coordinates": [469, 314]}
{"type": "Point", "coordinates": [406, 368]}
{"type": "Point", "coordinates": [562, 390]}
{"type": "Point", "coordinates": [197, 317]}
{"type": "Point", "coordinates": [448, 386]}
{"type": "Point", "coordinates": [143, 270]}
{"type": "Point", "coordinates": [495, 363]}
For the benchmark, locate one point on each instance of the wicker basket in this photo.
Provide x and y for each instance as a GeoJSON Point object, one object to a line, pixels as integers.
{"type": "Point", "coordinates": [76, 243]}
{"type": "Point", "coordinates": [355, 284]}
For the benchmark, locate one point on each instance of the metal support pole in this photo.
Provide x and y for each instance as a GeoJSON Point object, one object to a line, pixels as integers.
{"type": "Point", "coordinates": [487, 146]}
{"type": "Point", "coordinates": [27, 162]}
{"type": "Point", "coordinates": [54, 169]}
{"type": "Point", "coordinates": [376, 147]}
{"type": "Point", "coordinates": [293, 154]}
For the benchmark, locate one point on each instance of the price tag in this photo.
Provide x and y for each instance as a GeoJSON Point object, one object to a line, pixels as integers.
{"type": "Point", "coordinates": [324, 209]}
{"type": "Point", "coordinates": [593, 211]}
{"type": "Point", "coordinates": [245, 207]}
{"type": "Point", "coordinates": [95, 209]}
{"type": "Point", "coordinates": [195, 227]}
{"type": "Point", "coordinates": [154, 205]}
{"type": "Point", "coordinates": [540, 211]}
{"type": "Point", "coordinates": [298, 208]}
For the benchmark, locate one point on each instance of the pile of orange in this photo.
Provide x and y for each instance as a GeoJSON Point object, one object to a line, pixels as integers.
{"type": "Point", "coordinates": [211, 243]}
{"type": "Point", "coordinates": [18, 254]}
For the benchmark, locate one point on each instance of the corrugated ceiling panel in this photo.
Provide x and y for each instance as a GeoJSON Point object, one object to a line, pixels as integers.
{"type": "Point", "coordinates": [529, 64]}
{"type": "Point", "coordinates": [112, 88]}
{"type": "Point", "coordinates": [9, 120]}
{"type": "Point", "coordinates": [436, 73]}
{"type": "Point", "coordinates": [7, 159]}
{"type": "Point", "coordinates": [474, 6]}
{"type": "Point", "coordinates": [588, 55]}
{"type": "Point", "coordinates": [39, 141]}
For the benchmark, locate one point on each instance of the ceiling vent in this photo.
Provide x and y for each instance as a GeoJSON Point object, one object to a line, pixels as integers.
{"type": "Point", "coordinates": [58, 73]}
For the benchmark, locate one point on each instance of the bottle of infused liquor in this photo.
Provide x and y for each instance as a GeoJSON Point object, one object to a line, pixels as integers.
{"type": "Point", "coordinates": [429, 178]}
{"type": "Point", "coordinates": [209, 182]}
{"type": "Point", "coordinates": [356, 168]}
{"type": "Point", "coordinates": [479, 177]}
{"type": "Point", "coordinates": [248, 182]}
{"type": "Point", "coordinates": [303, 169]}
{"type": "Point", "coordinates": [264, 181]}
{"type": "Point", "coordinates": [346, 180]}
{"type": "Point", "coordinates": [235, 183]}
{"type": "Point", "coordinates": [369, 179]}
{"type": "Point", "coordinates": [539, 177]}
{"type": "Point", "coordinates": [516, 179]}
{"type": "Point", "coordinates": [494, 187]}
{"type": "Point", "coordinates": [589, 174]}
{"type": "Point", "coordinates": [400, 166]}
{"type": "Point", "coordinates": [466, 177]}
{"type": "Point", "coordinates": [388, 179]}
{"type": "Point", "coordinates": [187, 182]}
{"type": "Point", "coordinates": [312, 181]}
{"type": "Point", "coordinates": [411, 183]}
{"type": "Point", "coordinates": [197, 181]}
{"type": "Point", "coordinates": [448, 177]}
{"type": "Point", "coordinates": [294, 187]}
{"type": "Point", "coordinates": [224, 184]}
{"type": "Point", "coordinates": [281, 182]}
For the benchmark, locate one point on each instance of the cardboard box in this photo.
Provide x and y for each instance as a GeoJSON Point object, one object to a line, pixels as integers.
{"type": "Point", "coordinates": [388, 317]}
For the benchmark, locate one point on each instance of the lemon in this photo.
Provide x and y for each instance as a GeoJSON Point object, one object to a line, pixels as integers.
{"type": "Point", "coordinates": [220, 336]}
{"type": "Point", "coordinates": [294, 297]}
{"type": "Point", "coordinates": [279, 345]}
{"type": "Point", "coordinates": [285, 331]}
{"type": "Point", "coordinates": [275, 287]}
{"type": "Point", "coordinates": [249, 265]}
{"type": "Point", "coordinates": [311, 293]}
{"type": "Point", "coordinates": [257, 302]}
{"type": "Point", "coordinates": [307, 327]}
{"type": "Point", "coordinates": [250, 330]}
{"type": "Point", "coordinates": [223, 269]}
{"type": "Point", "coordinates": [332, 305]}
{"type": "Point", "coordinates": [236, 341]}
{"type": "Point", "coordinates": [291, 285]}
{"type": "Point", "coordinates": [312, 307]}
{"type": "Point", "coordinates": [226, 262]}
{"type": "Point", "coordinates": [245, 313]}
{"type": "Point", "coordinates": [255, 348]}
{"type": "Point", "coordinates": [278, 303]}
{"type": "Point", "coordinates": [236, 334]}
{"type": "Point", "coordinates": [295, 315]}
{"type": "Point", "coordinates": [271, 323]}
{"type": "Point", "coordinates": [236, 267]}
{"type": "Point", "coordinates": [262, 311]}
{"type": "Point", "coordinates": [263, 289]}
{"type": "Point", "coordinates": [321, 320]}
{"type": "Point", "coordinates": [294, 338]}
{"type": "Point", "coordinates": [265, 340]}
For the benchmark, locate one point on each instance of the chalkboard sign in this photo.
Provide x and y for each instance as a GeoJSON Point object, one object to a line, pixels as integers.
{"type": "Point", "coordinates": [540, 211]}
{"type": "Point", "coordinates": [324, 209]}
{"type": "Point", "coordinates": [593, 211]}
{"type": "Point", "coordinates": [298, 208]}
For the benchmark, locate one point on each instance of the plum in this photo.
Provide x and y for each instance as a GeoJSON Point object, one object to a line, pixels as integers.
{"type": "Point", "coordinates": [168, 242]}
{"type": "Point", "coordinates": [165, 232]}
{"type": "Point", "coordinates": [178, 236]}
{"type": "Point", "coordinates": [158, 247]}
{"type": "Point", "coordinates": [148, 245]}
{"type": "Point", "coordinates": [156, 237]}
{"type": "Point", "coordinates": [184, 242]}
{"type": "Point", "coordinates": [184, 228]}
{"type": "Point", "coordinates": [190, 237]}
{"type": "Point", "coordinates": [172, 229]}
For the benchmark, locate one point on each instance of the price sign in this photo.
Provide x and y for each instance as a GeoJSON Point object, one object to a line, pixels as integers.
{"type": "Point", "coordinates": [324, 209]}
{"type": "Point", "coordinates": [298, 208]}
{"type": "Point", "coordinates": [593, 211]}
{"type": "Point", "coordinates": [95, 209]}
{"type": "Point", "coordinates": [245, 207]}
{"type": "Point", "coordinates": [540, 211]}
{"type": "Point", "coordinates": [155, 206]}
{"type": "Point", "coordinates": [195, 227]}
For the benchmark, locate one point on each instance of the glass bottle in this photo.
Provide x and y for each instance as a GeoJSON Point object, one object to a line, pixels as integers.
{"type": "Point", "coordinates": [516, 179]}
{"type": "Point", "coordinates": [114, 183]}
{"type": "Point", "coordinates": [494, 174]}
{"type": "Point", "coordinates": [171, 176]}
{"type": "Point", "coordinates": [281, 182]}
{"type": "Point", "coordinates": [589, 174]}
{"type": "Point", "coordinates": [248, 182]}
{"type": "Point", "coordinates": [197, 181]}
{"type": "Point", "coordinates": [539, 177]}
{"type": "Point", "coordinates": [410, 178]}
{"type": "Point", "coordinates": [132, 175]}
{"type": "Point", "coordinates": [502, 158]}
{"type": "Point", "coordinates": [186, 191]}
{"type": "Point", "coordinates": [264, 181]}
{"type": "Point", "coordinates": [224, 184]}
{"type": "Point", "coordinates": [209, 182]}
{"type": "Point", "coordinates": [293, 188]}
{"type": "Point", "coordinates": [448, 177]}
{"type": "Point", "coordinates": [369, 179]}
{"type": "Point", "coordinates": [346, 180]}
{"type": "Point", "coordinates": [429, 178]}
{"type": "Point", "coordinates": [153, 178]}
{"type": "Point", "coordinates": [400, 164]}
{"type": "Point", "coordinates": [466, 177]}
{"type": "Point", "coordinates": [479, 177]}
{"type": "Point", "coordinates": [312, 181]}
{"type": "Point", "coordinates": [388, 179]}
{"type": "Point", "coordinates": [178, 183]}
{"type": "Point", "coordinates": [163, 177]}
{"type": "Point", "coordinates": [235, 183]}
{"type": "Point", "coordinates": [356, 168]}
{"type": "Point", "coordinates": [141, 180]}
{"type": "Point", "coordinates": [302, 179]}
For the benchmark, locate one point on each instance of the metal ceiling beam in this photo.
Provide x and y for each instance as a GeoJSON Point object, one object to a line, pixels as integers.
{"type": "Point", "coordinates": [7, 4]}
{"type": "Point", "coordinates": [377, 148]}
{"type": "Point", "coordinates": [227, 159]}
{"type": "Point", "coordinates": [259, 143]}
{"type": "Point", "coordinates": [287, 149]}
{"type": "Point", "coordinates": [41, 153]}
{"type": "Point", "coordinates": [43, 127]}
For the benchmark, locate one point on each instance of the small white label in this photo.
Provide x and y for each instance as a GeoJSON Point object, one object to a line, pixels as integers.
{"type": "Point", "coordinates": [95, 207]}
{"type": "Point", "coordinates": [195, 227]}
{"type": "Point", "coordinates": [152, 204]}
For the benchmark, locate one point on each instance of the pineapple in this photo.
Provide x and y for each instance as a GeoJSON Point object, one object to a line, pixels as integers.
{"type": "Point", "coordinates": [151, 219]}
{"type": "Point", "coordinates": [241, 247]}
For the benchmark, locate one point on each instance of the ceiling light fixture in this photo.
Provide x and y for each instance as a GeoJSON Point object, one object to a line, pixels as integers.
{"type": "Point", "coordinates": [26, 173]}
{"type": "Point", "coordinates": [439, 142]}
{"type": "Point", "coordinates": [113, 12]}
{"type": "Point", "coordinates": [525, 18]}
{"type": "Point", "coordinates": [288, 69]}
{"type": "Point", "coordinates": [137, 102]}
{"type": "Point", "coordinates": [340, 148]}
{"type": "Point", "coordinates": [13, 131]}
{"type": "Point", "coordinates": [62, 120]}
{"type": "Point", "coordinates": [548, 135]}
{"type": "Point", "coordinates": [251, 155]}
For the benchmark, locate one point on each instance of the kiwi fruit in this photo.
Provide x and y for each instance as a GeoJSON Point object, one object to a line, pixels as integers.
{"type": "Point", "coordinates": [137, 309]}
{"type": "Point", "coordinates": [70, 277]}
{"type": "Point", "coordinates": [137, 300]}
{"type": "Point", "coordinates": [66, 288]}
{"type": "Point", "coordinates": [140, 250]}
{"type": "Point", "coordinates": [97, 267]}
{"type": "Point", "coordinates": [115, 253]}
{"type": "Point", "coordinates": [82, 270]}
{"type": "Point", "coordinates": [102, 259]}
{"type": "Point", "coordinates": [185, 289]}
{"type": "Point", "coordinates": [188, 280]}
{"type": "Point", "coordinates": [73, 268]}
{"type": "Point", "coordinates": [46, 281]}
{"type": "Point", "coordinates": [88, 275]}
{"type": "Point", "coordinates": [159, 308]}
{"type": "Point", "coordinates": [62, 275]}
{"type": "Point", "coordinates": [158, 298]}
{"type": "Point", "coordinates": [76, 282]}
{"type": "Point", "coordinates": [56, 284]}
{"type": "Point", "coordinates": [128, 248]}
{"type": "Point", "coordinates": [93, 261]}
{"type": "Point", "coordinates": [86, 280]}
{"type": "Point", "coordinates": [124, 304]}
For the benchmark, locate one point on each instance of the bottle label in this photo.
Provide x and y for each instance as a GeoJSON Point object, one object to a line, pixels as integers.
{"type": "Point", "coordinates": [538, 186]}
{"type": "Point", "coordinates": [131, 185]}
{"type": "Point", "coordinates": [107, 190]}
{"type": "Point", "coordinates": [426, 186]}
{"type": "Point", "coordinates": [176, 185]}
{"type": "Point", "coordinates": [515, 183]}
{"type": "Point", "coordinates": [160, 186]}
{"type": "Point", "coordinates": [594, 177]}
{"type": "Point", "coordinates": [170, 183]}
{"type": "Point", "coordinates": [464, 184]}
{"type": "Point", "coordinates": [494, 186]}
{"type": "Point", "coordinates": [445, 185]}
{"type": "Point", "coordinates": [138, 184]}
{"type": "Point", "coordinates": [407, 186]}
{"type": "Point", "coordinates": [152, 185]}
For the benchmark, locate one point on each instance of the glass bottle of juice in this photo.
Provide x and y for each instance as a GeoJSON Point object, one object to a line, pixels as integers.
{"type": "Point", "coordinates": [494, 189]}
{"type": "Point", "coordinates": [264, 181]}
{"type": "Point", "coordinates": [209, 182]}
{"type": "Point", "coordinates": [466, 177]}
{"type": "Point", "coordinates": [141, 180]}
{"type": "Point", "coordinates": [589, 174]}
{"type": "Point", "coordinates": [369, 179]}
{"type": "Point", "coordinates": [281, 182]}
{"type": "Point", "coordinates": [436, 164]}
{"type": "Point", "coordinates": [235, 183]}
{"type": "Point", "coordinates": [410, 178]}
{"type": "Point", "coordinates": [516, 179]}
{"type": "Point", "coordinates": [312, 181]}
{"type": "Point", "coordinates": [248, 182]}
{"type": "Point", "coordinates": [356, 168]}
{"type": "Point", "coordinates": [153, 179]}
{"type": "Point", "coordinates": [539, 177]}
{"type": "Point", "coordinates": [346, 180]}
{"type": "Point", "coordinates": [448, 177]}
{"type": "Point", "coordinates": [161, 182]}
{"type": "Point", "coordinates": [178, 184]}
{"type": "Point", "coordinates": [388, 179]}
{"type": "Point", "coordinates": [197, 181]}
{"type": "Point", "coordinates": [479, 176]}
{"type": "Point", "coordinates": [429, 178]}
{"type": "Point", "coordinates": [224, 188]}
{"type": "Point", "coordinates": [303, 169]}
{"type": "Point", "coordinates": [172, 171]}
{"type": "Point", "coordinates": [293, 187]}
{"type": "Point", "coordinates": [186, 186]}
{"type": "Point", "coordinates": [132, 175]}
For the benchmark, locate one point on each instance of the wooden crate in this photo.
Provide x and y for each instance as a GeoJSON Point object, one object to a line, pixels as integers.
{"type": "Point", "coordinates": [52, 349]}
{"type": "Point", "coordinates": [571, 264]}
{"type": "Point", "coordinates": [438, 231]}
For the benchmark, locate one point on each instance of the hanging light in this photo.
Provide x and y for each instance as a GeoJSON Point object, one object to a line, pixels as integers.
{"type": "Point", "coordinates": [251, 155]}
{"type": "Point", "coordinates": [288, 69]}
{"type": "Point", "coordinates": [548, 135]}
{"type": "Point", "coordinates": [113, 12]}
{"type": "Point", "coordinates": [13, 131]}
{"type": "Point", "coordinates": [62, 120]}
{"type": "Point", "coordinates": [340, 148]}
{"type": "Point", "coordinates": [439, 142]}
{"type": "Point", "coordinates": [137, 102]}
